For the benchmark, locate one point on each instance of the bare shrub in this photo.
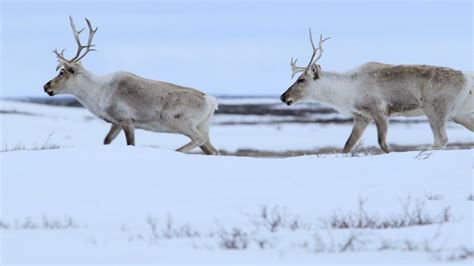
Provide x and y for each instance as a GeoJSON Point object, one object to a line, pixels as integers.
{"type": "Point", "coordinates": [359, 219]}
{"type": "Point", "coordinates": [358, 241]}
{"type": "Point", "coordinates": [184, 231]}
{"type": "Point", "coordinates": [409, 245]}
{"type": "Point", "coordinates": [359, 150]}
{"type": "Point", "coordinates": [4, 225]}
{"type": "Point", "coordinates": [263, 243]}
{"type": "Point", "coordinates": [352, 243]}
{"type": "Point", "coordinates": [296, 224]}
{"type": "Point", "coordinates": [412, 215]}
{"type": "Point", "coordinates": [270, 219]}
{"type": "Point", "coordinates": [235, 239]}
{"type": "Point", "coordinates": [170, 231]}
{"type": "Point", "coordinates": [273, 230]}
{"type": "Point", "coordinates": [153, 223]}
{"type": "Point", "coordinates": [276, 218]}
{"type": "Point", "coordinates": [434, 196]}
{"type": "Point", "coordinates": [44, 223]}
{"type": "Point", "coordinates": [65, 223]}
{"type": "Point", "coordinates": [355, 241]}
{"type": "Point", "coordinates": [20, 147]}
{"type": "Point", "coordinates": [416, 214]}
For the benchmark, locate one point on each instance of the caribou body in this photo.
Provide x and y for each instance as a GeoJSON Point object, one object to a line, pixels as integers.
{"type": "Point", "coordinates": [128, 101]}
{"type": "Point", "coordinates": [376, 91]}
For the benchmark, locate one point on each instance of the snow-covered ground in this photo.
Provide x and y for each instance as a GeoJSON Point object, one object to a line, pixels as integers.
{"type": "Point", "coordinates": [66, 199]}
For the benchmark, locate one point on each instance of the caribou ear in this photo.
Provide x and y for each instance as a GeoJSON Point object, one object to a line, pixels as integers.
{"type": "Point", "coordinates": [69, 67]}
{"type": "Point", "coordinates": [316, 69]}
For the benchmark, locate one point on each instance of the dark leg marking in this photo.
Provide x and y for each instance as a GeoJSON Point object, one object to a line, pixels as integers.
{"type": "Point", "coordinates": [208, 149]}
{"type": "Point", "coordinates": [129, 130]}
{"type": "Point", "coordinates": [113, 132]}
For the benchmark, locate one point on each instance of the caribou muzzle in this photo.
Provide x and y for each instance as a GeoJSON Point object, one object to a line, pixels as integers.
{"type": "Point", "coordinates": [47, 89]}
{"type": "Point", "coordinates": [288, 100]}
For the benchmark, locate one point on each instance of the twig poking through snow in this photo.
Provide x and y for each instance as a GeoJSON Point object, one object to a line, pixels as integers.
{"type": "Point", "coordinates": [423, 155]}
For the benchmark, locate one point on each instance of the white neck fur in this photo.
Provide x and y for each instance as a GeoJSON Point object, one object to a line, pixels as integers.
{"type": "Point", "coordinates": [335, 89]}
{"type": "Point", "coordinates": [87, 88]}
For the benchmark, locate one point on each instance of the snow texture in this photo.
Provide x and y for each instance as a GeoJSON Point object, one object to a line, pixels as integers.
{"type": "Point", "coordinates": [66, 199]}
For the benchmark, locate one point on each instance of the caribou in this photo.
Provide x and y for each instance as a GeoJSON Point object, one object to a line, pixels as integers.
{"type": "Point", "coordinates": [130, 102]}
{"type": "Point", "coordinates": [375, 91]}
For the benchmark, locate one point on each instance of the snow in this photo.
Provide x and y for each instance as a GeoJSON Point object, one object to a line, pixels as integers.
{"type": "Point", "coordinates": [85, 203]}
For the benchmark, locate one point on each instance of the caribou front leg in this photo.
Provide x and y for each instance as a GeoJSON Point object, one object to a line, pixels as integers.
{"type": "Point", "coordinates": [437, 118]}
{"type": "Point", "coordinates": [358, 128]}
{"type": "Point", "coordinates": [382, 126]}
{"type": "Point", "coordinates": [438, 127]}
{"type": "Point", "coordinates": [113, 132]}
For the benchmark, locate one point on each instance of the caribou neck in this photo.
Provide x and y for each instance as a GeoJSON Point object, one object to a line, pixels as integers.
{"type": "Point", "coordinates": [88, 90]}
{"type": "Point", "coordinates": [334, 88]}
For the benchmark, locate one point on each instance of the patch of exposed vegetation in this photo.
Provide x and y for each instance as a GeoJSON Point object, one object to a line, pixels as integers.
{"type": "Point", "coordinates": [46, 145]}
{"type": "Point", "coordinates": [411, 215]}
{"type": "Point", "coordinates": [359, 151]}
{"type": "Point", "coordinates": [45, 222]}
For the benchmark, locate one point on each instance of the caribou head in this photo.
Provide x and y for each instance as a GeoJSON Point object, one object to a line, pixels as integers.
{"type": "Point", "coordinates": [70, 68]}
{"type": "Point", "coordinates": [312, 72]}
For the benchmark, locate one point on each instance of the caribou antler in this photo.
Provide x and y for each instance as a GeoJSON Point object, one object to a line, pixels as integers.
{"type": "Point", "coordinates": [320, 48]}
{"type": "Point", "coordinates": [297, 69]}
{"type": "Point", "coordinates": [60, 56]}
{"type": "Point", "coordinates": [80, 47]}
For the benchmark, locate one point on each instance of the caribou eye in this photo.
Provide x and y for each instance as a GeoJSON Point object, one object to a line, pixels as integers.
{"type": "Point", "coordinates": [300, 80]}
{"type": "Point", "coordinates": [61, 73]}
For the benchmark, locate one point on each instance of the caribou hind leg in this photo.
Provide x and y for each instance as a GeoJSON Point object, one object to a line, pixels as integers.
{"type": "Point", "coordinates": [129, 130]}
{"type": "Point", "coordinates": [113, 132]}
{"type": "Point", "coordinates": [191, 145]}
{"type": "Point", "coordinates": [197, 139]}
{"type": "Point", "coordinates": [208, 149]}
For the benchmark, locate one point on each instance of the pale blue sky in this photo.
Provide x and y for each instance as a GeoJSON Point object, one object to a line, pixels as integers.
{"type": "Point", "coordinates": [230, 47]}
